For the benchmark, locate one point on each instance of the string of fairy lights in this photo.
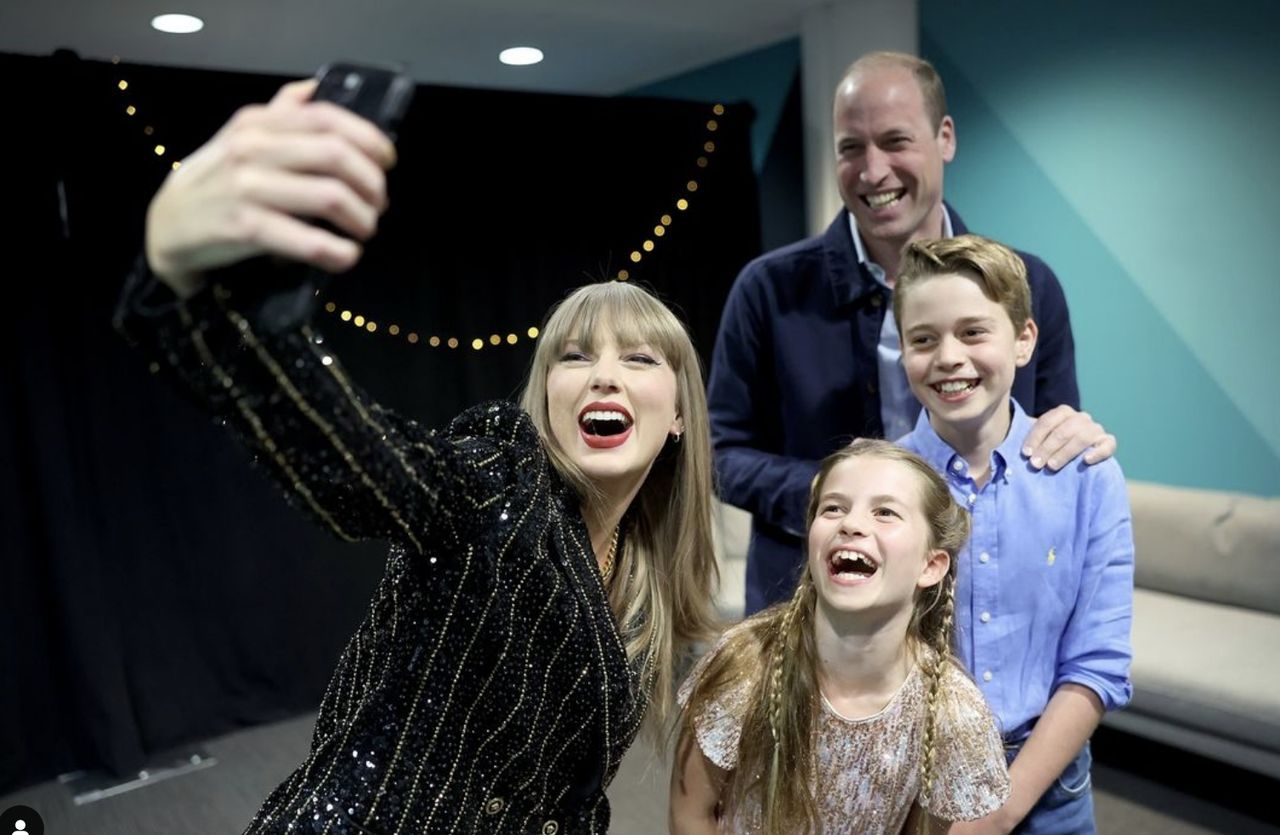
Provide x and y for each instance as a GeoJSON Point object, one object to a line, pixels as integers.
{"type": "Point", "coordinates": [148, 130]}
{"type": "Point", "coordinates": [420, 337]}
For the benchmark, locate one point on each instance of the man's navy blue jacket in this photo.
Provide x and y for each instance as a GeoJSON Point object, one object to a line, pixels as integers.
{"type": "Point", "coordinates": [794, 377]}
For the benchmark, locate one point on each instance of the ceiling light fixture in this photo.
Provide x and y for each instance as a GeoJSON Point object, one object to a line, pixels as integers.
{"type": "Point", "coordinates": [520, 56]}
{"type": "Point", "coordinates": [177, 24]}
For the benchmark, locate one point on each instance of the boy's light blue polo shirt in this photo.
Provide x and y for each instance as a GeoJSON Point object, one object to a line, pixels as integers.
{"type": "Point", "coordinates": [1044, 591]}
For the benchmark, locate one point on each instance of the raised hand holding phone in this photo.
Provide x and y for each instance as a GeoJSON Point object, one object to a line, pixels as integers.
{"type": "Point", "coordinates": [253, 188]}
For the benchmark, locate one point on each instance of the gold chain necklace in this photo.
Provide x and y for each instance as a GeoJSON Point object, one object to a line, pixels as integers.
{"type": "Point", "coordinates": [606, 570]}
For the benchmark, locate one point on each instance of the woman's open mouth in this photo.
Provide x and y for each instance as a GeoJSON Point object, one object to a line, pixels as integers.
{"type": "Point", "coordinates": [604, 425]}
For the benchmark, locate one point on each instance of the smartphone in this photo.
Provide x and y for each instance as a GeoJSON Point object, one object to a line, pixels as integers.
{"type": "Point", "coordinates": [380, 94]}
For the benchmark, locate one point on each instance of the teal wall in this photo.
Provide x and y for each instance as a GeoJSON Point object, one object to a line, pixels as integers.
{"type": "Point", "coordinates": [1136, 147]}
{"type": "Point", "coordinates": [762, 77]}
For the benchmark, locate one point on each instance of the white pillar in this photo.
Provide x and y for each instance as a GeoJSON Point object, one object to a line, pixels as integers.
{"type": "Point", "coordinates": [832, 36]}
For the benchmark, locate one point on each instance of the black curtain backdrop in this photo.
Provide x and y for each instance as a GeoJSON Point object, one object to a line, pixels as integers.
{"type": "Point", "coordinates": [153, 588]}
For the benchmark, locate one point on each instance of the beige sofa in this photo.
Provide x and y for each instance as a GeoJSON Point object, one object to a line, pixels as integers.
{"type": "Point", "coordinates": [1206, 624]}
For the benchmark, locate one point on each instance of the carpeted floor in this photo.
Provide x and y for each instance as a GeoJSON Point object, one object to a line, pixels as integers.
{"type": "Point", "coordinates": [1140, 789]}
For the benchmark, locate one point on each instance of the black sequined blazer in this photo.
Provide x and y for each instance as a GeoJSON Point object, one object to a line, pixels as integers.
{"type": "Point", "coordinates": [487, 689]}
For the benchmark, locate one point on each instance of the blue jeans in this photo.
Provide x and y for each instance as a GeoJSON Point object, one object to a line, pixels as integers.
{"type": "Point", "coordinates": [1067, 807]}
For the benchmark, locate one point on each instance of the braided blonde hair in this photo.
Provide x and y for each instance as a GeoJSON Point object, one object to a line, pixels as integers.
{"type": "Point", "coordinates": [940, 655]}
{"type": "Point", "coordinates": [775, 754]}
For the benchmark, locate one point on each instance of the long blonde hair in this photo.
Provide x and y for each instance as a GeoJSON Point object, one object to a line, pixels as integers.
{"type": "Point", "coordinates": [665, 579]}
{"type": "Point", "coordinates": [775, 755]}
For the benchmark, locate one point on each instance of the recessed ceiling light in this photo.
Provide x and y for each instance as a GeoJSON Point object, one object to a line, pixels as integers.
{"type": "Point", "coordinates": [177, 24]}
{"type": "Point", "coordinates": [520, 56]}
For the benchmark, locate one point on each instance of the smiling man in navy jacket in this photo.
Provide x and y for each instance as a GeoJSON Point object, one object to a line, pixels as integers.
{"type": "Point", "coordinates": [806, 357]}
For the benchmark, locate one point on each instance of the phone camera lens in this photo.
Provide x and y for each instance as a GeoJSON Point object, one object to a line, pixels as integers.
{"type": "Point", "coordinates": [351, 81]}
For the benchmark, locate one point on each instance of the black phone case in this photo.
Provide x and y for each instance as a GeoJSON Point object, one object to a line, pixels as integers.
{"type": "Point", "coordinates": [379, 94]}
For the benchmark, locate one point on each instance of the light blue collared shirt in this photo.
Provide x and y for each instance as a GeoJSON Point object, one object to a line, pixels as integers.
{"type": "Point", "coordinates": [1044, 591]}
{"type": "Point", "coordinates": [898, 406]}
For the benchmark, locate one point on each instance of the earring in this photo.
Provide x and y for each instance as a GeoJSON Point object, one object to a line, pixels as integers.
{"type": "Point", "coordinates": [676, 436]}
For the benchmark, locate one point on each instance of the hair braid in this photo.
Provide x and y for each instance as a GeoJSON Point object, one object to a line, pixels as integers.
{"type": "Point", "coordinates": [778, 661]}
{"type": "Point", "coordinates": [939, 650]}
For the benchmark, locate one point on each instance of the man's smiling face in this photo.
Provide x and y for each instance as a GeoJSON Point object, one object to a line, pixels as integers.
{"type": "Point", "coordinates": [889, 156]}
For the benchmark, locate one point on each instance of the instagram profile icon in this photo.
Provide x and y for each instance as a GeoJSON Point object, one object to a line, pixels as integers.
{"type": "Point", "coordinates": [21, 820]}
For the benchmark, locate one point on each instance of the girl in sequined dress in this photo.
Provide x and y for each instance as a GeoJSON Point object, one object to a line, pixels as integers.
{"type": "Point", "coordinates": [549, 561]}
{"type": "Point", "coordinates": [843, 710]}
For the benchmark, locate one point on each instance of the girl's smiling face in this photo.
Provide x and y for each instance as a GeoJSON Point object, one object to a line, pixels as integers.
{"type": "Point", "coordinates": [869, 541]}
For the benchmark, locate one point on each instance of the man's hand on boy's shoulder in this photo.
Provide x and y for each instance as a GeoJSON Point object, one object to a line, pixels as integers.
{"type": "Point", "coordinates": [1061, 434]}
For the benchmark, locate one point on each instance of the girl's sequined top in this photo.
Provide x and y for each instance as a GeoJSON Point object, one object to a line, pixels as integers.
{"type": "Point", "coordinates": [488, 688]}
{"type": "Point", "coordinates": [867, 770]}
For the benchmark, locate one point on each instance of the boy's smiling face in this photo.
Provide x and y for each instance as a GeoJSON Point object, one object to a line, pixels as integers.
{"type": "Point", "coordinates": [960, 351]}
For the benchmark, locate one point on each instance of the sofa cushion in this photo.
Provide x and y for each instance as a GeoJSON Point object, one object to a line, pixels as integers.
{"type": "Point", "coordinates": [1206, 544]}
{"type": "Point", "coordinates": [1207, 666]}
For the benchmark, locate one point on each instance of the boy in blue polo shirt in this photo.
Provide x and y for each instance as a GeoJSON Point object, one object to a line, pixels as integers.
{"type": "Point", "coordinates": [1045, 586]}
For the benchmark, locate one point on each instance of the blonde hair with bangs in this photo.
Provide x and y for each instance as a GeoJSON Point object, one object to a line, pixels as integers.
{"type": "Point", "coordinates": [663, 590]}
